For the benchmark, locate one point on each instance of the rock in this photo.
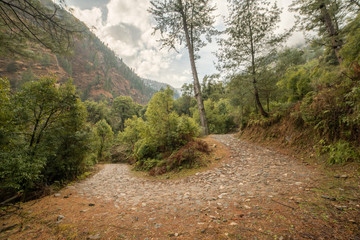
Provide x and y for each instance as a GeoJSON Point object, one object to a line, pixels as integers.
{"type": "Point", "coordinates": [143, 204]}
{"type": "Point", "coordinates": [247, 207]}
{"type": "Point", "coordinates": [329, 198]}
{"type": "Point", "coordinates": [298, 183]}
{"type": "Point", "coordinates": [94, 237]}
{"type": "Point", "coordinates": [341, 208]}
{"type": "Point", "coordinates": [214, 146]}
{"type": "Point", "coordinates": [91, 204]}
{"type": "Point", "coordinates": [152, 219]}
{"type": "Point", "coordinates": [57, 195]}
{"type": "Point", "coordinates": [158, 225]}
{"type": "Point", "coordinates": [233, 224]}
{"type": "Point", "coordinates": [67, 196]}
{"type": "Point", "coordinates": [344, 176]}
{"type": "Point", "coordinates": [217, 159]}
{"type": "Point", "coordinates": [83, 211]}
{"type": "Point", "coordinates": [60, 218]}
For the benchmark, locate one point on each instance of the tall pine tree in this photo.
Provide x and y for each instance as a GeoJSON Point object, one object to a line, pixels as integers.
{"type": "Point", "coordinates": [250, 36]}
{"type": "Point", "coordinates": [186, 21]}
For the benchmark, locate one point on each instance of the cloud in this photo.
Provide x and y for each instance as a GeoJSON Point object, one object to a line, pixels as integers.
{"type": "Point", "coordinates": [124, 32]}
{"type": "Point", "coordinates": [91, 17]}
{"type": "Point", "coordinates": [128, 31]}
{"type": "Point", "coordinates": [126, 27]}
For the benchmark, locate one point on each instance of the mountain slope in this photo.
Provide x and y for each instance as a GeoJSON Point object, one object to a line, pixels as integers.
{"type": "Point", "coordinates": [157, 86]}
{"type": "Point", "coordinates": [96, 71]}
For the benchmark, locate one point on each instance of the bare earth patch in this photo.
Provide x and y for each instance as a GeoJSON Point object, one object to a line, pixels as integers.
{"type": "Point", "coordinates": [251, 192]}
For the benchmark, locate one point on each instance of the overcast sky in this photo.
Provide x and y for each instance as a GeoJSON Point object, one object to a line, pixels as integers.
{"type": "Point", "coordinates": [125, 25]}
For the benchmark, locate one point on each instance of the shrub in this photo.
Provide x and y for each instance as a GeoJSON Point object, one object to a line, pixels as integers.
{"type": "Point", "coordinates": [187, 128]}
{"type": "Point", "coordinates": [218, 114]}
{"type": "Point", "coordinates": [144, 149]}
{"type": "Point", "coordinates": [341, 152]}
{"type": "Point", "coordinates": [163, 131]}
{"type": "Point", "coordinates": [188, 156]}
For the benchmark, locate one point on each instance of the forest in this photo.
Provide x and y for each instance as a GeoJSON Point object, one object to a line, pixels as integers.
{"type": "Point", "coordinates": [50, 134]}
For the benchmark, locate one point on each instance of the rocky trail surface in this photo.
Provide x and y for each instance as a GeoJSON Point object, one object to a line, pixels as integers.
{"type": "Point", "coordinates": [254, 193]}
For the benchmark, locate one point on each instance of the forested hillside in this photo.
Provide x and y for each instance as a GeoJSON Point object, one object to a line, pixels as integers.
{"type": "Point", "coordinates": [97, 72]}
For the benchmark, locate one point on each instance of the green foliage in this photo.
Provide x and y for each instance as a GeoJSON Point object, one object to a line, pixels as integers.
{"type": "Point", "coordinates": [188, 156]}
{"type": "Point", "coordinates": [251, 39]}
{"type": "Point", "coordinates": [97, 111]}
{"type": "Point", "coordinates": [145, 149]}
{"type": "Point", "coordinates": [46, 138]}
{"type": "Point", "coordinates": [341, 152]}
{"type": "Point", "coordinates": [105, 135]}
{"type": "Point", "coordinates": [296, 82]}
{"type": "Point", "coordinates": [135, 129]}
{"type": "Point", "coordinates": [351, 50]}
{"type": "Point", "coordinates": [183, 105]}
{"type": "Point", "coordinates": [162, 132]}
{"type": "Point", "coordinates": [162, 119]}
{"type": "Point", "coordinates": [123, 108]}
{"type": "Point", "coordinates": [212, 89]}
{"type": "Point", "coordinates": [186, 129]}
{"type": "Point", "coordinates": [219, 116]}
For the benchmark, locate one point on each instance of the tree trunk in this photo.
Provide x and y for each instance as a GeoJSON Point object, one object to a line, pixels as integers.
{"type": "Point", "coordinates": [253, 73]}
{"type": "Point", "coordinates": [333, 33]}
{"type": "Point", "coordinates": [257, 100]}
{"type": "Point", "coordinates": [197, 88]}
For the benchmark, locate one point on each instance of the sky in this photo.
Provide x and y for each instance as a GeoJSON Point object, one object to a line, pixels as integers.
{"type": "Point", "coordinates": [126, 27]}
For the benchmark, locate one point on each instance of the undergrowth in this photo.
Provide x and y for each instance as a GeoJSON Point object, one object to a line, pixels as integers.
{"type": "Point", "coordinates": [189, 156]}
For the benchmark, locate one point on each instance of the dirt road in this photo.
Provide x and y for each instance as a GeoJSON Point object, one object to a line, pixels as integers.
{"type": "Point", "coordinates": [255, 193]}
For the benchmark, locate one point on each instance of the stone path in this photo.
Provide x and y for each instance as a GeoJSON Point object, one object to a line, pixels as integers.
{"type": "Point", "coordinates": [255, 193]}
{"type": "Point", "coordinates": [251, 171]}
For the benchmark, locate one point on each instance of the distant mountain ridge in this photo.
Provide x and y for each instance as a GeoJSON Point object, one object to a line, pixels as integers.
{"type": "Point", "coordinates": [157, 86]}
{"type": "Point", "coordinates": [95, 69]}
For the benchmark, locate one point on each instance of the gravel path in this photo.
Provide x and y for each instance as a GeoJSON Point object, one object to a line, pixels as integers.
{"type": "Point", "coordinates": [254, 193]}
{"type": "Point", "coordinates": [250, 172]}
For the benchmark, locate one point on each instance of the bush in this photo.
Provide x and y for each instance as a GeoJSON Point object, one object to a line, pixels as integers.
{"type": "Point", "coordinates": [341, 152]}
{"type": "Point", "coordinates": [189, 156]}
{"type": "Point", "coordinates": [105, 137]}
{"type": "Point", "coordinates": [187, 129]}
{"type": "Point", "coordinates": [144, 149]}
{"type": "Point", "coordinates": [162, 132]}
{"type": "Point", "coordinates": [46, 138]}
{"type": "Point", "coordinates": [147, 164]}
{"type": "Point", "coordinates": [218, 114]}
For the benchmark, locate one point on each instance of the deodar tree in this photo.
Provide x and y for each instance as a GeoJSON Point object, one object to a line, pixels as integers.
{"type": "Point", "coordinates": [325, 17]}
{"type": "Point", "coordinates": [186, 21]}
{"type": "Point", "coordinates": [250, 36]}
